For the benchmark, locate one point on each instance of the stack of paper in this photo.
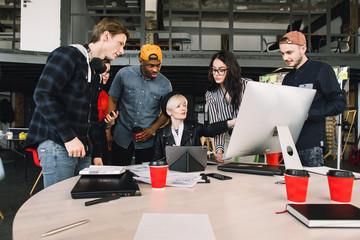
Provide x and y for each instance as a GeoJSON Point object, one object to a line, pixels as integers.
{"type": "Point", "coordinates": [102, 170]}
{"type": "Point", "coordinates": [173, 179]}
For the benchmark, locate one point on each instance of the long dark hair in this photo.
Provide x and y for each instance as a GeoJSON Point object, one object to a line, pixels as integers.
{"type": "Point", "coordinates": [232, 82]}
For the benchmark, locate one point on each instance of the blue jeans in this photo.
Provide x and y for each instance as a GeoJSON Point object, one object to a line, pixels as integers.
{"type": "Point", "coordinates": [56, 163]}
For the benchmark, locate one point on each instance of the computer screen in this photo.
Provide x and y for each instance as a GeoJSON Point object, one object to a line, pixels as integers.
{"type": "Point", "coordinates": [270, 120]}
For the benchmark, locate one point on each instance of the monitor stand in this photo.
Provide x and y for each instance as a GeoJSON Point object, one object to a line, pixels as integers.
{"type": "Point", "coordinates": [288, 147]}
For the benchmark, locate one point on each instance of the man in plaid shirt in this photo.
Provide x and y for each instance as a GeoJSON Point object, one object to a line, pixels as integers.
{"type": "Point", "coordinates": [65, 126]}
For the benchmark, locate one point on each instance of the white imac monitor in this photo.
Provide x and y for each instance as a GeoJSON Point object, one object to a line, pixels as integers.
{"type": "Point", "coordinates": [270, 120]}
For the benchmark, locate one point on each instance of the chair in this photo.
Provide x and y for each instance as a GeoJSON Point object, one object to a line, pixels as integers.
{"type": "Point", "coordinates": [271, 46]}
{"type": "Point", "coordinates": [341, 45]}
{"type": "Point", "coordinates": [37, 163]}
{"type": "Point", "coordinates": [274, 46]}
{"type": "Point", "coordinates": [2, 176]}
{"type": "Point", "coordinates": [209, 147]}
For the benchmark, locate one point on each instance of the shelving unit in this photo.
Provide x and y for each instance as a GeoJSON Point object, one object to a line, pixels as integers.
{"type": "Point", "coordinates": [331, 137]}
{"type": "Point", "coordinates": [10, 22]}
{"type": "Point", "coordinates": [350, 119]}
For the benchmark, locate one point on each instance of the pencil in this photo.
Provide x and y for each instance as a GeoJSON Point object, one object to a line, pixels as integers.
{"type": "Point", "coordinates": [65, 228]}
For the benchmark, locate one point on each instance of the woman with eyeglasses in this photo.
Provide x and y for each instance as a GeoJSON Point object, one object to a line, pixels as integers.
{"type": "Point", "coordinates": [224, 95]}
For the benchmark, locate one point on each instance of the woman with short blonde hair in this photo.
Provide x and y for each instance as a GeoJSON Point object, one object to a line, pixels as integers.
{"type": "Point", "coordinates": [182, 132]}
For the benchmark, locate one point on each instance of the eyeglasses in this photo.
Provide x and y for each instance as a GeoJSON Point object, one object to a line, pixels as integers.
{"type": "Point", "coordinates": [220, 71]}
{"type": "Point", "coordinates": [106, 73]}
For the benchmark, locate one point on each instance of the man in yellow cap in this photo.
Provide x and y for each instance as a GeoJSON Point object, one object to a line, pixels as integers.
{"type": "Point", "coordinates": [136, 92]}
{"type": "Point", "coordinates": [329, 99]}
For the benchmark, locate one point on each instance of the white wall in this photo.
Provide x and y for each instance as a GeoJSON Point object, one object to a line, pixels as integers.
{"type": "Point", "coordinates": [248, 43]}
{"type": "Point", "coordinates": [208, 42]}
{"type": "Point", "coordinates": [40, 25]}
{"type": "Point", "coordinates": [335, 27]}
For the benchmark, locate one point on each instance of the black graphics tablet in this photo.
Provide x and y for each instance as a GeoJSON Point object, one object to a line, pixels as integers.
{"type": "Point", "coordinates": [186, 158]}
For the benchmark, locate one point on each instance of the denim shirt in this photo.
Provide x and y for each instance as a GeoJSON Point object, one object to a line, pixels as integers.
{"type": "Point", "coordinates": [138, 103]}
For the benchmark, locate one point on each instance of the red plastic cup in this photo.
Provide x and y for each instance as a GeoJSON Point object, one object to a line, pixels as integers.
{"type": "Point", "coordinates": [136, 131]}
{"type": "Point", "coordinates": [296, 181]}
{"type": "Point", "coordinates": [158, 174]}
{"type": "Point", "coordinates": [273, 158]}
{"type": "Point", "coordinates": [340, 185]}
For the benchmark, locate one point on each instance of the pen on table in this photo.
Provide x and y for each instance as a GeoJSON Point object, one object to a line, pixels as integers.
{"type": "Point", "coordinates": [104, 199]}
{"type": "Point", "coordinates": [60, 229]}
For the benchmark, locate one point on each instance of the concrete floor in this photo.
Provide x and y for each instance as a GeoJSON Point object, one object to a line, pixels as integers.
{"type": "Point", "coordinates": [15, 189]}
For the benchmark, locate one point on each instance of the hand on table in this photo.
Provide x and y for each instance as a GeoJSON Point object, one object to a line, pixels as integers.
{"type": "Point", "coordinates": [218, 156]}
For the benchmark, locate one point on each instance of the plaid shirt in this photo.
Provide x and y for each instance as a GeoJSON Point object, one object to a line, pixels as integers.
{"type": "Point", "coordinates": [63, 97]}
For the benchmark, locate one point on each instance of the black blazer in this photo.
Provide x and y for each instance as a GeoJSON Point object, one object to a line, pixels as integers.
{"type": "Point", "coordinates": [193, 131]}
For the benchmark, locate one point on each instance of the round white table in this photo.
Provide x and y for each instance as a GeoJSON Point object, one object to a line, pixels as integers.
{"type": "Point", "coordinates": [242, 208]}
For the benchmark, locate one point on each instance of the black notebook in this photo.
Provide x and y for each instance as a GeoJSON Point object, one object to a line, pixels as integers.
{"type": "Point", "coordinates": [253, 168]}
{"type": "Point", "coordinates": [97, 186]}
{"type": "Point", "coordinates": [326, 215]}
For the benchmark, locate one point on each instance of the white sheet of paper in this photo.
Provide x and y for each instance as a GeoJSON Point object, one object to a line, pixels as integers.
{"type": "Point", "coordinates": [102, 170]}
{"type": "Point", "coordinates": [160, 226]}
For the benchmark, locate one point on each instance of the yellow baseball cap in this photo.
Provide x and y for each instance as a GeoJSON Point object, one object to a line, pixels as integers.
{"type": "Point", "coordinates": [149, 49]}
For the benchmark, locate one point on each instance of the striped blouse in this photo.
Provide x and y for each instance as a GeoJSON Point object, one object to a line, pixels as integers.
{"type": "Point", "coordinates": [220, 110]}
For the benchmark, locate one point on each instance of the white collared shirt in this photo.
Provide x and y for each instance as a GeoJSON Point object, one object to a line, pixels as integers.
{"type": "Point", "coordinates": [178, 136]}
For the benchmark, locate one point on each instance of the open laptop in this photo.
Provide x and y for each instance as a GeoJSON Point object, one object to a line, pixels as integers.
{"type": "Point", "coordinates": [253, 168]}
{"type": "Point", "coordinates": [97, 186]}
{"type": "Point", "coordinates": [186, 158]}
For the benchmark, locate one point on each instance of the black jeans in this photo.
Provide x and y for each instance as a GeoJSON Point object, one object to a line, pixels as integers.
{"type": "Point", "coordinates": [106, 153]}
{"type": "Point", "coordinates": [122, 156]}
{"type": "Point", "coordinates": [312, 157]}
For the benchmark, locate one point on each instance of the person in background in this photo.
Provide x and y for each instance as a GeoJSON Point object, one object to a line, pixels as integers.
{"type": "Point", "coordinates": [181, 132]}
{"type": "Point", "coordinates": [104, 117]}
{"type": "Point", "coordinates": [65, 125]}
{"type": "Point", "coordinates": [329, 99]}
{"type": "Point", "coordinates": [136, 92]}
{"type": "Point", "coordinates": [224, 94]}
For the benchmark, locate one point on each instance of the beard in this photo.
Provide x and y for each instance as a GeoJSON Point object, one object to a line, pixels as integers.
{"type": "Point", "coordinates": [295, 63]}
